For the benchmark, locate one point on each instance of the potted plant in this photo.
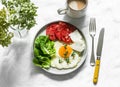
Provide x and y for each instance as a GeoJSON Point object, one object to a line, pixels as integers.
{"type": "Point", "coordinates": [18, 15]}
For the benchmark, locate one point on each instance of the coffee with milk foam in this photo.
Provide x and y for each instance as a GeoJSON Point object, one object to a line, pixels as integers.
{"type": "Point", "coordinates": [77, 4]}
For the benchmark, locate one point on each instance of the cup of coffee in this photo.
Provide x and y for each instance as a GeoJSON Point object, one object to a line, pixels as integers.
{"type": "Point", "coordinates": [75, 8]}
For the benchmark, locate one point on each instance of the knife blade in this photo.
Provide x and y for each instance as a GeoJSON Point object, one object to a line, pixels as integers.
{"type": "Point", "coordinates": [100, 43]}
{"type": "Point", "coordinates": [99, 51]}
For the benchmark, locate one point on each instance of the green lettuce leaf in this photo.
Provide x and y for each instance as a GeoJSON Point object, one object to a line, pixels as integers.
{"type": "Point", "coordinates": [44, 51]}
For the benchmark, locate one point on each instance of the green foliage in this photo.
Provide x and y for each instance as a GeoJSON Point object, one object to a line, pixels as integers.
{"type": "Point", "coordinates": [21, 13]}
{"type": "Point", "coordinates": [5, 35]}
{"type": "Point", "coordinates": [17, 14]}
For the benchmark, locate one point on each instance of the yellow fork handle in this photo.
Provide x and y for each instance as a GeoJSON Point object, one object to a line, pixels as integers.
{"type": "Point", "coordinates": [96, 72]}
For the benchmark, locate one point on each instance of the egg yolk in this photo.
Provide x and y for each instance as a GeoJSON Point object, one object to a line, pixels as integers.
{"type": "Point", "coordinates": [65, 51]}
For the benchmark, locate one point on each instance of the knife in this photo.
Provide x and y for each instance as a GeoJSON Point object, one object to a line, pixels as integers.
{"type": "Point", "coordinates": [99, 51]}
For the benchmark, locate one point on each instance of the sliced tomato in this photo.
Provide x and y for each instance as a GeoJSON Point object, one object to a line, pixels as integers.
{"type": "Point", "coordinates": [58, 35]}
{"type": "Point", "coordinates": [66, 39]}
{"type": "Point", "coordinates": [60, 31]}
{"type": "Point", "coordinates": [52, 37]}
{"type": "Point", "coordinates": [64, 32]}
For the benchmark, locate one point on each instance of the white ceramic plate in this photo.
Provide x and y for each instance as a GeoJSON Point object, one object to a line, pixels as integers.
{"type": "Point", "coordinates": [63, 71]}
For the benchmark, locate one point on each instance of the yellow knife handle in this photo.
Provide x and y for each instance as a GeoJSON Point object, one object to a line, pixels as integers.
{"type": "Point", "coordinates": [96, 72]}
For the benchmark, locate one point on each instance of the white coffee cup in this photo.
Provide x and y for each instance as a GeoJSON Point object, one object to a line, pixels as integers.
{"type": "Point", "coordinates": [75, 8]}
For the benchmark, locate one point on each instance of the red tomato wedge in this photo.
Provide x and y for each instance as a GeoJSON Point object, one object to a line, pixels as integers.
{"type": "Point", "coordinates": [60, 31]}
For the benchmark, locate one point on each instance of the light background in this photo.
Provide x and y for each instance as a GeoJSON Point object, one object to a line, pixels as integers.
{"type": "Point", "coordinates": [17, 70]}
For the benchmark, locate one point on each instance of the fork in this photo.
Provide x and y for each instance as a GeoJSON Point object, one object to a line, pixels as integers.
{"type": "Point", "coordinates": [92, 32]}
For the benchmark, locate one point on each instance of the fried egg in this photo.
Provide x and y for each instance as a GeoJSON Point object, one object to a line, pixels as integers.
{"type": "Point", "coordinates": [68, 55]}
{"type": "Point", "coordinates": [65, 57]}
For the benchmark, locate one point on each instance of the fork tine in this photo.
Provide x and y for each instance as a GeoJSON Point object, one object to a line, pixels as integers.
{"type": "Point", "coordinates": [91, 25]}
{"type": "Point", "coordinates": [94, 24]}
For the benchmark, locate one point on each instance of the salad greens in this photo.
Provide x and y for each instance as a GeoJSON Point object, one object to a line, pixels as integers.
{"type": "Point", "coordinates": [44, 51]}
{"type": "Point", "coordinates": [5, 35]}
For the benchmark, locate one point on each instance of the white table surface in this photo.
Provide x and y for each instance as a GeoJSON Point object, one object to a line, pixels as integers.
{"type": "Point", "coordinates": [17, 69]}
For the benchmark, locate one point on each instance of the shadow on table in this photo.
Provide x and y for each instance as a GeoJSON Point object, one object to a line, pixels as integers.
{"type": "Point", "coordinates": [11, 67]}
{"type": "Point", "coordinates": [38, 70]}
{"type": "Point", "coordinates": [78, 22]}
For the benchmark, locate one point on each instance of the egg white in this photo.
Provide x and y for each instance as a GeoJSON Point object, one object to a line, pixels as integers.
{"type": "Point", "coordinates": [64, 65]}
{"type": "Point", "coordinates": [77, 45]}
